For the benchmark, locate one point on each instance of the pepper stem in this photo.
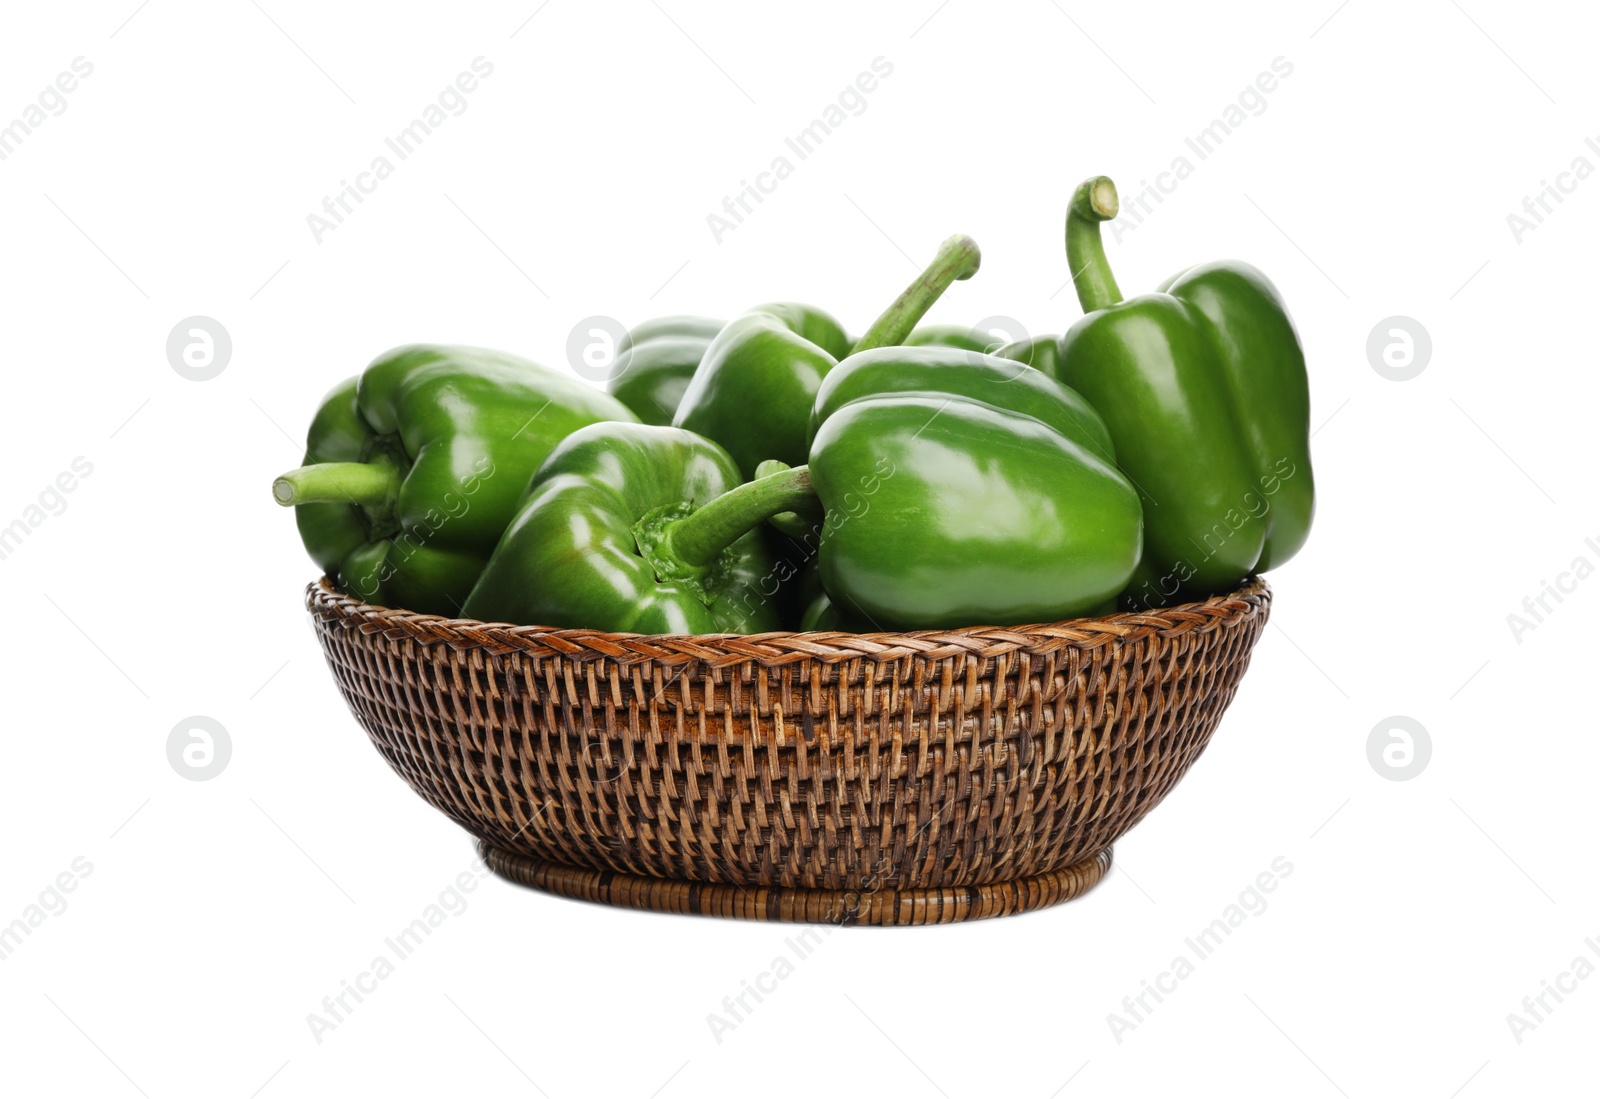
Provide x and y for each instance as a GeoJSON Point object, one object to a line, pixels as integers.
{"type": "Point", "coordinates": [957, 259]}
{"type": "Point", "coordinates": [697, 538]}
{"type": "Point", "coordinates": [368, 484]}
{"type": "Point", "coordinates": [804, 519]}
{"type": "Point", "coordinates": [1094, 201]}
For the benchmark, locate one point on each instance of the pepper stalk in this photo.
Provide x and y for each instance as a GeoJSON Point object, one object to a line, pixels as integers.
{"type": "Point", "coordinates": [369, 484]}
{"type": "Point", "coordinates": [800, 522]}
{"type": "Point", "coordinates": [957, 259]}
{"type": "Point", "coordinates": [1093, 202]}
{"type": "Point", "coordinates": [682, 545]}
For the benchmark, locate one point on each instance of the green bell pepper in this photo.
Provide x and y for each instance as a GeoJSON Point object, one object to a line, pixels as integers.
{"type": "Point", "coordinates": [654, 363]}
{"type": "Point", "coordinates": [626, 529]}
{"type": "Point", "coordinates": [940, 373]}
{"type": "Point", "coordinates": [969, 499]}
{"type": "Point", "coordinates": [414, 467]}
{"type": "Point", "coordinates": [754, 389]}
{"type": "Point", "coordinates": [944, 506]}
{"type": "Point", "coordinates": [1203, 387]}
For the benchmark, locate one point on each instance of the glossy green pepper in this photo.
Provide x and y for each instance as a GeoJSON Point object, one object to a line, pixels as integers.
{"type": "Point", "coordinates": [1203, 387]}
{"type": "Point", "coordinates": [621, 532]}
{"type": "Point", "coordinates": [654, 363]}
{"type": "Point", "coordinates": [754, 388]}
{"type": "Point", "coordinates": [941, 374]}
{"type": "Point", "coordinates": [985, 494]}
{"type": "Point", "coordinates": [935, 507]}
{"type": "Point", "coordinates": [414, 467]}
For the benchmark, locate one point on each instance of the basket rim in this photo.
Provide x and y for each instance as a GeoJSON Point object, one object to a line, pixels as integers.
{"type": "Point", "coordinates": [324, 601]}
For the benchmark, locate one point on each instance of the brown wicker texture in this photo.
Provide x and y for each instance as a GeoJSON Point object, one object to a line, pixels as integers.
{"type": "Point", "coordinates": [906, 778]}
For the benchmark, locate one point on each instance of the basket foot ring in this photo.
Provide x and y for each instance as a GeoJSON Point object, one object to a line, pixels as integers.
{"type": "Point", "coordinates": [884, 908]}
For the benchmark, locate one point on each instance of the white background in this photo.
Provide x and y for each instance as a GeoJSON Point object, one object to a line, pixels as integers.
{"type": "Point", "coordinates": [1377, 182]}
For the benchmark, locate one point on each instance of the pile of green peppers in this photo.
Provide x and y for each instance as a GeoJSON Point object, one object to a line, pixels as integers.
{"type": "Point", "coordinates": [774, 473]}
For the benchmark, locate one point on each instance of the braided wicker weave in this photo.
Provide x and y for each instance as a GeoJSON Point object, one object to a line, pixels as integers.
{"type": "Point", "coordinates": [908, 778]}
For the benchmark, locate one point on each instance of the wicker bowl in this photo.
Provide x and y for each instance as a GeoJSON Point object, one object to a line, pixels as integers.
{"type": "Point", "coordinates": [888, 778]}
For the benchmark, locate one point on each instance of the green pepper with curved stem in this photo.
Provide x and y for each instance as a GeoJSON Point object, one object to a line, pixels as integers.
{"type": "Point", "coordinates": [753, 390]}
{"type": "Point", "coordinates": [1203, 387]}
{"type": "Point", "coordinates": [414, 467]}
{"type": "Point", "coordinates": [939, 510]}
{"type": "Point", "coordinates": [654, 363]}
{"type": "Point", "coordinates": [940, 375]}
{"type": "Point", "coordinates": [627, 528]}
{"type": "Point", "coordinates": [947, 511]}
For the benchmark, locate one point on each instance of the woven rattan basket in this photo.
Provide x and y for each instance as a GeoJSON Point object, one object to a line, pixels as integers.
{"type": "Point", "coordinates": [884, 778]}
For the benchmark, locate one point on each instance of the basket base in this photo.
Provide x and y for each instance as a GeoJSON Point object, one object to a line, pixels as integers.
{"type": "Point", "coordinates": [888, 908]}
